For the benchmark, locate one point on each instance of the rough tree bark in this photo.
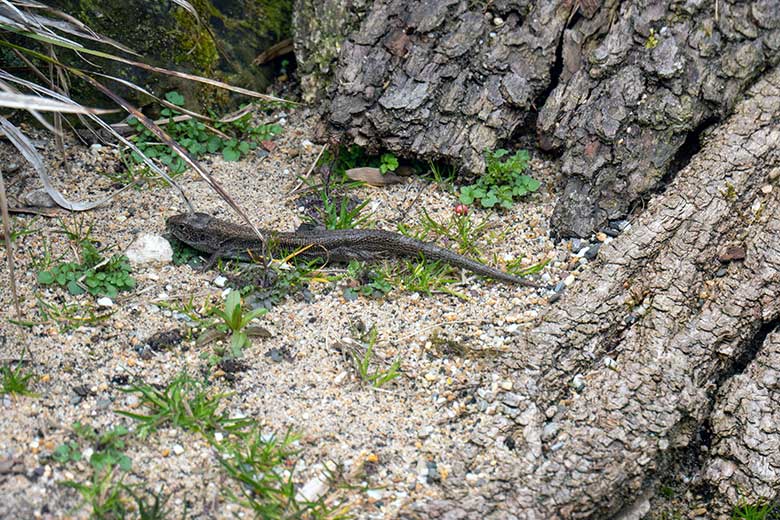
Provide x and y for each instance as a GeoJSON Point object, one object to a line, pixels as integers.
{"type": "Point", "coordinates": [619, 86]}
{"type": "Point", "coordinates": [624, 375]}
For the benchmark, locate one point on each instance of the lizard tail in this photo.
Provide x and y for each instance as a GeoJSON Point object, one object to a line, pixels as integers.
{"type": "Point", "coordinates": [412, 247]}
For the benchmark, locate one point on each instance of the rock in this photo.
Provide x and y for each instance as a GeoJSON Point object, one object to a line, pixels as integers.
{"type": "Point", "coordinates": [592, 251]}
{"type": "Point", "coordinates": [40, 199]}
{"type": "Point", "coordinates": [149, 249]}
{"type": "Point", "coordinates": [578, 383]}
{"type": "Point", "coordinates": [105, 301]}
{"type": "Point", "coordinates": [178, 449]}
{"type": "Point", "coordinates": [313, 490]}
{"type": "Point", "coordinates": [95, 148]}
{"type": "Point", "coordinates": [220, 281]}
{"type": "Point", "coordinates": [620, 225]}
{"type": "Point", "coordinates": [549, 431]}
{"type": "Point", "coordinates": [732, 253]}
{"type": "Point", "coordinates": [611, 232]}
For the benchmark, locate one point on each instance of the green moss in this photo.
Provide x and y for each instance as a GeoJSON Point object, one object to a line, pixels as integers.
{"type": "Point", "coordinates": [222, 45]}
{"type": "Point", "coordinates": [195, 46]}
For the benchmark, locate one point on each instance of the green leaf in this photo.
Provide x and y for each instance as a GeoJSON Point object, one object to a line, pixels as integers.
{"type": "Point", "coordinates": [74, 288]}
{"type": "Point", "coordinates": [243, 147]}
{"type": "Point", "coordinates": [175, 98]}
{"type": "Point", "coordinates": [252, 315]}
{"type": "Point", "coordinates": [125, 463]}
{"type": "Point", "coordinates": [237, 342]}
{"type": "Point", "coordinates": [231, 154]}
{"type": "Point", "coordinates": [466, 197]}
{"type": "Point", "coordinates": [214, 144]}
{"type": "Point", "coordinates": [45, 278]}
{"type": "Point", "coordinates": [532, 184]}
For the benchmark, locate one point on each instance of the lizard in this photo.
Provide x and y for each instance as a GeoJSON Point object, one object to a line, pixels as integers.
{"type": "Point", "coordinates": [224, 239]}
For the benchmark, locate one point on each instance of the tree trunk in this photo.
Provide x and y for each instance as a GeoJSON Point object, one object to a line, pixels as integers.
{"type": "Point", "coordinates": [622, 377]}
{"type": "Point", "coordinates": [623, 89]}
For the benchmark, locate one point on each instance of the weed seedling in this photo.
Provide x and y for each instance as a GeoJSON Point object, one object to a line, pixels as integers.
{"type": "Point", "coordinates": [340, 214]}
{"type": "Point", "coordinates": [103, 493]}
{"type": "Point", "coordinates": [234, 323]}
{"type": "Point", "coordinates": [502, 182]}
{"type": "Point", "coordinates": [233, 139]}
{"type": "Point", "coordinates": [94, 274]}
{"type": "Point", "coordinates": [754, 511]}
{"type": "Point", "coordinates": [362, 363]}
{"type": "Point", "coordinates": [388, 163]}
{"type": "Point", "coordinates": [15, 381]}
{"type": "Point", "coordinates": [107, 448]}
{"type": "Point", "coordinates": [184, 403]}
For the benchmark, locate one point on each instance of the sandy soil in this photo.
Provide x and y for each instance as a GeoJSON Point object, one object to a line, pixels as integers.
{"type": "Point", "coordinates": [401, 443]}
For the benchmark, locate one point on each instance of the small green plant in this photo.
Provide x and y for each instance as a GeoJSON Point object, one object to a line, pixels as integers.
{"type": "Point", "coordinates": [372, 283]}
{"type": "Point", "coordinates": [426, 277]}
{"type": "Point", "coordinates": [107, 447]}
{"type": "Point", "coordinates": [234, 323]}
{"type": "Point", "coordinates": [516, 267]}
{"type": "Point", "coordinates": [153, 509]}
{"type": "Point", "coordinates": [94, 273]}
{"type": "Point", "coordinates": [69, 316]}
{"type": "Point", "coordinates": [442, 175]}
{"type": "Point", "coordinates": [18, 232]}
{"type": "Point", "coordinates": [652, 41]}
{"type": "Point", "coordinates": [103, 492]}
{"type": "Point", "coordinates": [754, 511]}
{"type": "Point", "coordinates": [342, 214]}
{"type": "Point", "coordinates": [231, 138]}
{"type": "Point", "coordinates": [184, 403]}
{"type": "Point", "coordinates": [363, 361]}
{"type": "Point", "coordinates": [388, 163]}
{"type": "Point", "coordinates": [253, 459]}
{"type": "Point", "coordinates": [15, 381]}
{"type": "Point", "coordinates": [461, 229]}
{"type": "Point", "coordinates": [502, 182]}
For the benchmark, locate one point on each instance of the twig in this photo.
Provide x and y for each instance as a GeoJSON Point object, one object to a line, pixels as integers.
{"type": "Point", "coordinates": [308, 172]}
{"type": "Point", "coordinates": [8, 246]}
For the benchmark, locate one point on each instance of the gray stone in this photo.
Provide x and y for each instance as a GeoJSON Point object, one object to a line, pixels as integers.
{"type": "Point", "coordinates": [39, 198]}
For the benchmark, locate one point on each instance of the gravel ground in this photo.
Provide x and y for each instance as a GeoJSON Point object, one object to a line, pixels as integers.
{"type": "Point", "coordinates": [401, 443]}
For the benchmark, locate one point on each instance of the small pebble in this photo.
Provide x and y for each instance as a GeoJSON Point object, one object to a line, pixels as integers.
{"type": "Point", "coordinates": [220, 281]}
{"type": "Point", "coordinates": [178, 449]}
{"type": "Point", "coordinates": [105, 301]}
{"type": "Point", "coordinates": [592, 251]}
{"type": "Point", "coordinates": [578, 382]}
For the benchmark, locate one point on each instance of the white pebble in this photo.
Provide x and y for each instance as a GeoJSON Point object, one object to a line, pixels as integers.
{"type": "Point", "coordinates": [105, 301]}
{"type": "Point", "coordinates": [178, 449]}
{"type": "Point", "coordinates": [220, 281]}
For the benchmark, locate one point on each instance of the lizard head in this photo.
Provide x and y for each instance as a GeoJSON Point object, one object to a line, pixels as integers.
{"type": "Point", "coordinates": [190, 228]}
